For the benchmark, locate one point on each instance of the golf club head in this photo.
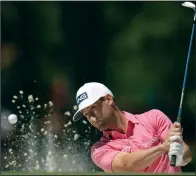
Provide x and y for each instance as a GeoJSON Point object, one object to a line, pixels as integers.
{"type": "Point", "coordinates": [189, 5]}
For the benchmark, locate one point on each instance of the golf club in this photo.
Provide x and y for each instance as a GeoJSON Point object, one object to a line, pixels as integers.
{"type": "Point", "coordinates": [192, 6]}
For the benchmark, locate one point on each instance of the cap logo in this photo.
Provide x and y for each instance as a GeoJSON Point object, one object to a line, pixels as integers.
{"type": "Point", "coordinates": [81, 98]}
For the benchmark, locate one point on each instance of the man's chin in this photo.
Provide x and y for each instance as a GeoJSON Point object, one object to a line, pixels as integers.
{"type": "Point", "coordinates": [103, 128]}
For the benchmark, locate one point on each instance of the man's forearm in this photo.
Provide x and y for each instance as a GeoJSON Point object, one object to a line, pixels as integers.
{"type": "Point", "coordinates": [141, 159]}
{"type": "Point", "coordinates": [187, 155]}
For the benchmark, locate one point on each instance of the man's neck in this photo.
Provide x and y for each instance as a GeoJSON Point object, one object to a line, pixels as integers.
{"type": "Point", "coordinates": [120, 124]}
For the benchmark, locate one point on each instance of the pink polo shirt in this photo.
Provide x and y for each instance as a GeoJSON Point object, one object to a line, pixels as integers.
{"type": "Point", "coordinates": [143, 132]}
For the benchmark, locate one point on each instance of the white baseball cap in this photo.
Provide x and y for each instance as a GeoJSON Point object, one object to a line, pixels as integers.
{"type": "Point", "coordinates": [88, 94]}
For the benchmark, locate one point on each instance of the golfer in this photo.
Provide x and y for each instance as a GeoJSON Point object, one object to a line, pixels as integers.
{"type": "Point", "coordinates": [130, 142]}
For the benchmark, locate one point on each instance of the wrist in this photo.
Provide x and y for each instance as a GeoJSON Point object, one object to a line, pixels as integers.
{"type": "Point", "coordinates": [162, 148]}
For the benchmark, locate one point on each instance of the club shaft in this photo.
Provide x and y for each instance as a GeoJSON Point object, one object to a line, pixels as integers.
{"type": "Point", "coordinates": [173, 158]}
{"type": "Point", "coordinates": [185, 74]}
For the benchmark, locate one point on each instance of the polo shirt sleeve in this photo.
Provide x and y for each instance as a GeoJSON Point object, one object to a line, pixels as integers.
{"type": "Point", "coordinates": [162, 123]}
{"type": "Point", "coordinates": [103, 155]}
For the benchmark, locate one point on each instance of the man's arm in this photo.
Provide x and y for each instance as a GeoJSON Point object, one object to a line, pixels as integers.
{"type": "Point", "coordinates": [138, 160]}
{"type": "Point", "coordinates": [187, 155]}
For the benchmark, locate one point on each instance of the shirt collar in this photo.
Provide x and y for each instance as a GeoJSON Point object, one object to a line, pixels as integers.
{"type": "Point", "coordinates": [130, 117]}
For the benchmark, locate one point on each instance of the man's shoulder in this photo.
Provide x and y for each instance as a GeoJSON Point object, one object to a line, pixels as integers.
{"type": "Point", "coordinates": [150, 118]}
{"type": "Point", "coordinates": [153, 117]}
{"type": "Point", "coordinates": [151, 113]}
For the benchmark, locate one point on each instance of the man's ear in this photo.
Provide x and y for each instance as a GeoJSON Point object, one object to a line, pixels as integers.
{"type": "Point", "coordinates": [109, 99]}
{"type": "Point", "coordinates": [112, 103]}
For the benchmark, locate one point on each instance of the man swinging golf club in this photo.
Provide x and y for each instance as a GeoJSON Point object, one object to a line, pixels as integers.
{"type": "Point", "coordinates": [130, 143]}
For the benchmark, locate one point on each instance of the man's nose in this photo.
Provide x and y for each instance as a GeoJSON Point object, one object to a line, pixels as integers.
{"type": "Point", "coordinates": [93, 119]}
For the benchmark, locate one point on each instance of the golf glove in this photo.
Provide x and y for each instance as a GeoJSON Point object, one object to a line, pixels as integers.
{"type": "Point", "coordinates": [176, 148]}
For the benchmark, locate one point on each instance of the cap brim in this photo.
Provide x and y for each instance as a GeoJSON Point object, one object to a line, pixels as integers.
{"type": "Point", "coordinates": [77, 116]}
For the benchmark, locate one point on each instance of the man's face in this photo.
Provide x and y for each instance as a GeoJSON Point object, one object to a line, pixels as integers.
{"type": "Point", "coordinates": [100, 113]}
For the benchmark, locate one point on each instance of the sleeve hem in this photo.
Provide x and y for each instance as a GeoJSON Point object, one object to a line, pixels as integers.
{"type": "Point", "coordinates": [117, 152]}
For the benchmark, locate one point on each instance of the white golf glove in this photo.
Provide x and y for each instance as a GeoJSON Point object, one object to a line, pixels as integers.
{"type": "Point", "coordinates": [176, 148]}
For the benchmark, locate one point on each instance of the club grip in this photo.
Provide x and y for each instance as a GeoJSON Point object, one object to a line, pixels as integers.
{"type": "Point", "coordinates": [173, 161]}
